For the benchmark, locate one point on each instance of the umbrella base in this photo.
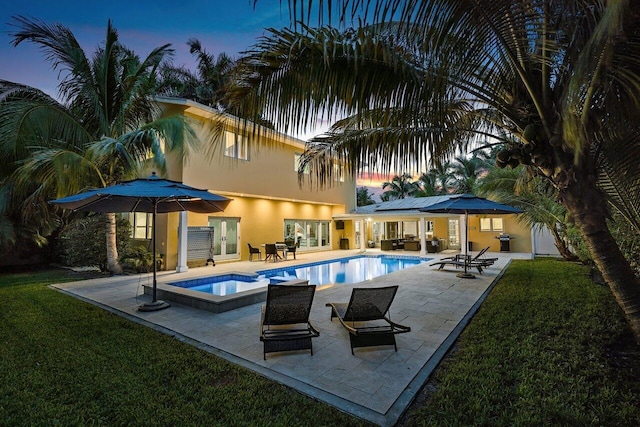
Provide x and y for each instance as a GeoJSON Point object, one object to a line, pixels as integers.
{"type": "Point", "coordinates": [154, 306]}
{"type": "Point", "coordinates": [465, 276]}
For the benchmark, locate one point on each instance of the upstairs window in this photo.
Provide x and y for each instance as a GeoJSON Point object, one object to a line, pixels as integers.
{"type": "Point", "coordinates": [338, 172]}
{"type": "Point", "coordinates": [296, 163]}
{"type": "Point", "coordinates": [236, 146]}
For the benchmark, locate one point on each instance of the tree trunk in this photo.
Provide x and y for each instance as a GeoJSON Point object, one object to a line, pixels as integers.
{"type": "Point", "coordinates": [113, 261]}
{"type": "Point", "coordinates": [588, 206]}
{"type": "Point", "coordinates": [561, 245]}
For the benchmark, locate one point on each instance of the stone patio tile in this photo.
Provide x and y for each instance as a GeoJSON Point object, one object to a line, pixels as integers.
{"type": "Point", "coordinates": [373, 384]}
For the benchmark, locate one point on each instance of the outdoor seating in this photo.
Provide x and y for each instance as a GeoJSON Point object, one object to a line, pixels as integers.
{"type": "Point", "coordinates": [284, 324]}
{"type": "Point", "coordinates": [271, 252]}
{"type": "Point", "coordinates": [477, 262]}
{"type": "Point", "coordinates": [388, 245]}
{"type": "Point", "coordinates": [478, 258]}
{"type": "Point", "coordinates": [291, 249]}
{"type": "Point", "coordinates": [253, 251]}
{"type": "Point", "coordinates": [366, 317]}
{"type": "Point", "coordinates": [411, 245]}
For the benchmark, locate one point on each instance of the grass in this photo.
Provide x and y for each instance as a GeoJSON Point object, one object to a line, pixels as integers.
{"type": "Point", "coordinates": [66, 362]}
{"type": "Point", "coordinates": [537, 353]}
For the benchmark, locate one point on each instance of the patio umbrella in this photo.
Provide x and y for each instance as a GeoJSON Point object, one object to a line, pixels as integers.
{"type": "Point", "coordinates": [152, 195]}
{"type": "Point", "coordinates": [469, 204]}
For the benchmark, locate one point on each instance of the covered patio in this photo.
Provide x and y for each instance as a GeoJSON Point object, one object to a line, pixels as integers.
{"type": "Point", "coordinates": [376, 384]}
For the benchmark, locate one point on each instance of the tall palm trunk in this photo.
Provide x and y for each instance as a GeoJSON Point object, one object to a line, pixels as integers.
{"type": "Point", "coordinates": [113, 261]}
{"type": "Point", "coordinates": [561, 245]}
{"type": "Point", "coordinates": [585, 202]}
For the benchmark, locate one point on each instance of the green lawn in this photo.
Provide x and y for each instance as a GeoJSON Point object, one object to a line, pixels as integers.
{"type": "Point", "coordinates": [66, 362]}
{"type": "Point", "coordinates": [535, 354]}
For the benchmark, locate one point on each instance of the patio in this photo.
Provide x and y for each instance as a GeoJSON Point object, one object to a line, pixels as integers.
{"type": "Point", "coordinates": [377, 384]}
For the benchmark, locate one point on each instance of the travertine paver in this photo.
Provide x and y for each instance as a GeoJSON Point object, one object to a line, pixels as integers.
{"type": "Point", "coordinates": [375, 384]}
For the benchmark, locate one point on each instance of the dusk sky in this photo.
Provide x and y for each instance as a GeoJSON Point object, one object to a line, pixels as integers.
{"type": "Point", "coordinates": [230, 26]}
{"type": "Point", "coordinates": [220, 25]}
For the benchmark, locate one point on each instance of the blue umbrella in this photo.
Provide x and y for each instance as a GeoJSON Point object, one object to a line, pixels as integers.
{"type": "Point", "coordinates": [152, 195]}
{"type": "Point", "coordinates": [469, 204]}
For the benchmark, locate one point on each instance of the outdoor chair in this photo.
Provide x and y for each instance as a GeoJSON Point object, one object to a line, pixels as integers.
{"type": "Point", "coordinates": [284, 324]}
{"type": "Point", "coordinates": [291, 249]}
{"type": "Point", "coordinates": [253, 251]}
{"type": "Point", "coordinates": [458, 261]}
{"type": "Point", "coordinates": [271, 251]}
{"type": "Point", "coordinates": [366, 317]}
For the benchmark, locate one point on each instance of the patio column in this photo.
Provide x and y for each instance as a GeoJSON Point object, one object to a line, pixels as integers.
{"type": "Point", "coordinates": [463, 234]}
{"type": "Point", "coordinates": [363, 235]}
{"type": "Point", "coordinates": [423, 236]}
{"type": "Point", "coordinates": [182, 244]}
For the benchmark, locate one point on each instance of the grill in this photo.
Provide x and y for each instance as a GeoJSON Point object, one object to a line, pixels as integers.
{"type": "Point", "coordinates": [504, 242]}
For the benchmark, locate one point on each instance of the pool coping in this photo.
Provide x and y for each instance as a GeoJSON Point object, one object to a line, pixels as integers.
{"type": "Point", "coordinates": [221, 303]}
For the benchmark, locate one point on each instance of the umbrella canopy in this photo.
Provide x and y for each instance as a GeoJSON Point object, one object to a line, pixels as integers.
{"type": "Point", "coordinates": [152, 195]}
{"type": "Point", "coordinates": [466, 204]}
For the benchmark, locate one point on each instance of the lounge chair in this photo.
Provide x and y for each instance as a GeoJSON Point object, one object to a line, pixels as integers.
{"type": "Point", "coordinates": [253, 251]}
{"type": "Point", "coordinates": [284, 324]}
{"type": "Point", "coordinates": [366, 317]}
{"type": "Point", "coordinates": [477, 262]}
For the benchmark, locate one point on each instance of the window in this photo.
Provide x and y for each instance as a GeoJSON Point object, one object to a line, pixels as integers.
{"type": "Point", "coordinates": [491, 224]}
{"type": "Point", "coordinates": [236, 146]}
{"type": "Point", "coordinates": [338, 172]}
{"type": "Point", "coordinates": [296, 163]}
{"type": "Point", "coordinates": [307, 234]}
{"type": "Point", "coordinates": [141, 224]}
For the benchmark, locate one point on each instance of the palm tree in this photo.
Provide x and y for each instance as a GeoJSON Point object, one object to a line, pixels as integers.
{"type": "Point", "coordinates": [535, 197]}
{"type": "Point", "coordinates": [105, 127]}
{"type": "Point", "coordinates": [206, 85]}
{"type": "Point", "coordinates": [363, 197]}
{"type": "Point", "coordinates": [426, 184]}
{"type": "Point", "coordinates": [467, 173]}
{"type": "Point", "coordinates": [399, 187]}
{"type": "Point", "coordinates": [556, 81]}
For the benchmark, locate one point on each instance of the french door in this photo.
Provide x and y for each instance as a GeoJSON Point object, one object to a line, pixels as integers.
{"type": "Point", "coordinates": [225, 237]}
{"type": "Point", "coordinates": [454, 234]}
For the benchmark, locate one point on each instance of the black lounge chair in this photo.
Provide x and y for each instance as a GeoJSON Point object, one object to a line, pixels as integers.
{"type": "Point", "coordinates": [478, 262]}
{"type": "Point", "coordinates": [253, 251]}
{"type": "Point", "coordinates": [459, 264]}
{"type": "Point", "coordinates": [284, 324]}
{"type": "Point", "coordinates": [366, 317]}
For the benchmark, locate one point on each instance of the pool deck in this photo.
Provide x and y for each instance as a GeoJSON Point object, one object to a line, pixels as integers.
{"type": "Point", "coordinates": [376, 384]}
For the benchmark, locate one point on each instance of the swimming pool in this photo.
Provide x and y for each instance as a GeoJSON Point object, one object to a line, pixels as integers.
{"type": "Point", "coordinates": [344, 270]}
{"type": "Point", "coordinates": [235, 290]}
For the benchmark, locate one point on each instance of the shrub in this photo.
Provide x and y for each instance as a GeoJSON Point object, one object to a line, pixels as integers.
{"type": "Point", "coordinates": [137, 259]}
{"type": "Point", "coordinates": [83, 242]}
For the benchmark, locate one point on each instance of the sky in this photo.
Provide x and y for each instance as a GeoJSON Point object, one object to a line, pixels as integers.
{"type": "Point", "coordinates": [229, 26]}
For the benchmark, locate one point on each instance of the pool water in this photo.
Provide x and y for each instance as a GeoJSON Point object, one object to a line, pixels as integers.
{"type": "Point", "coordinates": [345, 270]}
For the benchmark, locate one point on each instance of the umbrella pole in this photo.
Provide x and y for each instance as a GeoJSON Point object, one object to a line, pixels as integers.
{"type": "Point", "coordinates": [155, 304]}
{"type": "Point", "coordinates": [466, 275]}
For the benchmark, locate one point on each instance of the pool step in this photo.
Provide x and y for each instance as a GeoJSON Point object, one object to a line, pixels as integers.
{"type": "Point", "coordinates": [274, 280]}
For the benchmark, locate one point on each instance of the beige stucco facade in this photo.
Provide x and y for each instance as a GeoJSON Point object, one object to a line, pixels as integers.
{"type": "Point", "coordinates": [448, 229]}
{"type": "Point", "coordinates": [263, 185]}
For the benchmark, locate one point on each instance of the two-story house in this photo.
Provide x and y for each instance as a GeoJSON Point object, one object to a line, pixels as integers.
{"type": "Point", "coordinates": [260, 174]}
